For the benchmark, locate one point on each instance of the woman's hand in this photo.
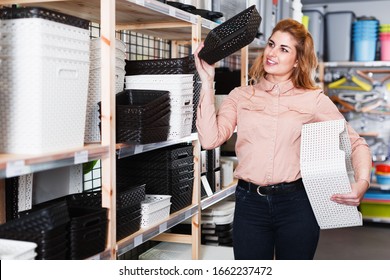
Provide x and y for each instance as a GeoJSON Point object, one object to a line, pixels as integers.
{"type": "Point", "coordinates": [354, 197]}
{"type": "Point", "coordinates": [206, 71]}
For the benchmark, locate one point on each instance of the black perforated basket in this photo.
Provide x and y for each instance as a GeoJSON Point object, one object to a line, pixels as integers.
{"type": "Point", "coordinates": [230, 36]}
{"type": "Point", "coordinates": [35, 12]}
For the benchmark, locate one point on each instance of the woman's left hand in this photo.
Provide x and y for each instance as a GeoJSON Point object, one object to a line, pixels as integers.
{"type": "Point", "coordinates": [354, 197]}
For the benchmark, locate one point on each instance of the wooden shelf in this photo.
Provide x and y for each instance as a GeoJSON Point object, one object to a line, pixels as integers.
{"type": "Point", "coordinates": [148, 233]}
{"type": "Point", "coordinates": [16, 165]}
{"type": "Point", "coordinates": [149, 17]}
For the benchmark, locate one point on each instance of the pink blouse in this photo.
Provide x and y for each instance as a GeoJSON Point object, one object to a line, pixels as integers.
{"type": "Point", "coordinates": [269, 119]}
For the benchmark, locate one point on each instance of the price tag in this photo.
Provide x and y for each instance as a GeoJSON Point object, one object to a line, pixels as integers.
{"type": "Point", "coordinates": [187, 214]}
{"type": "Point", "coordinates": [138, 149]}
{"type": "Point", "coordinates": [80, 157]}
{"type": "Point", "coordinates": [16, 168]}
{"type": "Point", "coordinates": [138, 240]}
{"type": "Point", "coordinates": [163, 227]}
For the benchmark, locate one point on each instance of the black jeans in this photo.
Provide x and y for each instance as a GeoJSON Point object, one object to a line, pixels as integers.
{"type": "Point", "coordinates": [281, 226]}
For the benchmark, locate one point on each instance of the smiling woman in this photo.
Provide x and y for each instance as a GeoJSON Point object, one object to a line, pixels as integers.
{"type": "Point", "coordinates": [273, 217]}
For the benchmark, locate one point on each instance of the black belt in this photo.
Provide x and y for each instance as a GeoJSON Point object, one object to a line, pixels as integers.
{"type": "Point", "coordinates": [272, 189]}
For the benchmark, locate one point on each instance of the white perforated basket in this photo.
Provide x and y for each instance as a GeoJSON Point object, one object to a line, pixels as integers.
{"type": "Point", "coordinates": [326, 170]}
{"type": "Point", "coordinates": [17, 250]}
{"type": "Point", "coordinates": [44, 85]}
{"type": "Point", "coordinates": [180, 125]}
{"type": "Point", "coordinates": [151, 218]}
{"type": "Point", "coordinates": [154, 202]}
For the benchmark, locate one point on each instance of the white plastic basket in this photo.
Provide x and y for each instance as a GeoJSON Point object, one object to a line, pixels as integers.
{"type": "Point", "coordinates": [154, 202]}
{"type": "Point", "coordinates": [180, 125]}
{"type": "Point", "coordinates": [42, 106]}
{"type": "Point", "coordinates": [17, 250]}
{"type": "Point", "coordinates": [44, 86]}
{"type": "Point", "coordinates": [151, 218]}
{"type": "Point", "coordinates": [92, 131]}
{"type": "Point", "coordinates": [119, 45]}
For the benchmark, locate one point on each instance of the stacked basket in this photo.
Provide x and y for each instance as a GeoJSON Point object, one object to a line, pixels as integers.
{"type": "Point", "coordinates": [128, 207]}
{"type": "Point", "coordinates": [185, 65]}
{"type": "Point", "coordinates": [92, 131]}
{"type": "Point", "coordinates": [154, 209]}
{"type": "Point", "coordinates": [46, 227]}
{"type": "Point", "coordinates": [364, 38]}
{"type": "Point", "coordinates": [142, 116]}
{"type": "Point", "coordinates": [384, 36]}
{"type": "Point", "coordinates": [181, 92]}
{"type": "Point", "coordinates": [166, 171]}
{"type": "Point", "coordinates": [43, 92]}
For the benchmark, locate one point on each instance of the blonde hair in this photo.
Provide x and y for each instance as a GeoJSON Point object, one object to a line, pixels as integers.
{"type": "Point", "coordinates": [303, 74]}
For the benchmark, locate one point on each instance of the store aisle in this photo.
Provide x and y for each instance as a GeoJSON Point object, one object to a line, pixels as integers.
{"type": "Point", "coordinates": [369, 242]}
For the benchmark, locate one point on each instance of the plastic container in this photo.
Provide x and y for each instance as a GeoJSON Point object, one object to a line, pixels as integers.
{"type": "Point", "coordinates": [231, 36]}
{"type": "Point", "coordinates": [155, 202]}
{"type": "Point", "coordinates": [317, 30]}
{"type": "Point", "coordinates": [338, 30]}
{"type": "Point", "coordinates": [17, 250]}
{"type": "Point", "coordinates": [385, 46]}
{"type": "Point", "coordinates": [42, 106]}
{"type": "Point", "coordinates": [364, 49]}
{"type": "Point", "coordinates": [383, 179]}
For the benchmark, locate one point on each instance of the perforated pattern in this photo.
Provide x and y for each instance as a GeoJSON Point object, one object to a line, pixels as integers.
{"type": "Point", "coordinates": [231, 35]}
{"type": "Point", "coordinates": [326, 170]}
{"type": "Point", "coordinates": [25, 192]}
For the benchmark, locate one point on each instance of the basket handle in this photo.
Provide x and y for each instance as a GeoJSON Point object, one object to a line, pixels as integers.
{"type": "Point", "coordinates": [67, 74]}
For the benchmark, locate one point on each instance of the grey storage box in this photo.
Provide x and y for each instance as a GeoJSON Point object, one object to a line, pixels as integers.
{"type": "Point", "coordinates": [338, 31]}
{"type": "Point", "coordinates": [317, 30]}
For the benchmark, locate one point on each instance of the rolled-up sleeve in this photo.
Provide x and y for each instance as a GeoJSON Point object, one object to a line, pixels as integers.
{"type": "Point", "coordinates": [215, 128]}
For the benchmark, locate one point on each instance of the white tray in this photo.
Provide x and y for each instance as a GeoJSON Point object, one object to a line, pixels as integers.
{"type": "Point", "coordinates": [327, 170]}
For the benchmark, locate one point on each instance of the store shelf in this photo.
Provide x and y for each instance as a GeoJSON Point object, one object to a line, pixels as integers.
{"type": "Point", "coordinates": [125, 150]}
{"type": "Point", "coordinates": [149, 17]}
{"type": "Point", "coordinates": [146, 234]}
{"type": "Point", "coordinates": [376, 219]}
{"type": "Point", "coordinates": [218, 196]}
{"type": "Point", "coordinates": [16, 165]}
{"type": "Point", "coordinates": [357, 64]}
{"type": "Point", "coordinates": [379, 186]}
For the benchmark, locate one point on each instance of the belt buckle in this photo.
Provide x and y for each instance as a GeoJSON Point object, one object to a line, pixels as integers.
{"type": "Point", "coordinates": [258, 191]}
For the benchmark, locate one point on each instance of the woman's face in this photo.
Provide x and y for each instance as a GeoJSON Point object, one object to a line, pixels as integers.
{"type": "Point", "coordinates": [280, 57]}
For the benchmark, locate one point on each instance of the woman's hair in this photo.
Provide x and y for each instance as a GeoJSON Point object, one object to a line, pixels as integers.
{"type": "Point", "coordinates": [303, 74]}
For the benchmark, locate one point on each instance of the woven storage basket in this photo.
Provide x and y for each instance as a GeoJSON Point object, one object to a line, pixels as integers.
{"type": "Point", "coordinates": [42, 106]}
{"type": "Point", "coordinates": [230, 36]}
{"type": "Point", "coordinates": [36, 12]}
{"type": "Point", "coordinates": [185, 65]}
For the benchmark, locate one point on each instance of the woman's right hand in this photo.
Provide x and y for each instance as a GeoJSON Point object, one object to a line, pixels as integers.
{"type": "Point", "coordinates": [206, 71]}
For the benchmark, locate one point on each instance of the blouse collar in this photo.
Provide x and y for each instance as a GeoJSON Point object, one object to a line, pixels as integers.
{"type": "Point", "coordinates": [279, 88]}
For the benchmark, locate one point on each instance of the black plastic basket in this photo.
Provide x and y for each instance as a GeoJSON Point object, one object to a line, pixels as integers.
{"type": "Point", "coordinates": [207, 14]}
{"type": "Point", "coordinates": [88, 241]}
{"type": "Point", "coordinates": [36, 12]}
{"type": "Point", "coordinates": [125, 119]}
{"type": "Point", "coordinates": [142, 135]}
{"type": "Point", "coordinates": [43, 219]}
{"type": "Point", "coordinates": [167, 154]}
{"type": "Point", "coordinates": [129, 196]}
{"type": "Point", "coordinates": [11, 198]}
{"type": "Point", "coordinates": [230, 36]}
{"type": "Point", "coordinates": [131, 162]}
{"type": "Point", "coordinates": [125, 229]}
{"type": "Point", "coordinates": [82, 217]}
{"type": "Point", "coordinates": [185, 65]}
{"type": "Point", "coordinates": [142, 101]}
